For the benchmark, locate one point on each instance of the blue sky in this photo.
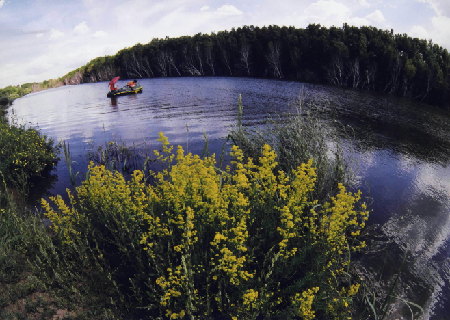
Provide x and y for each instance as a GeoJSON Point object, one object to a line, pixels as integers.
{"type": "Point", "coordinates": [43, 39]}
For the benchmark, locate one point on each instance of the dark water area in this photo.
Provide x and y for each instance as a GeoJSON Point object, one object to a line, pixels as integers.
{"type": "Point", "coordinates": [399, 152]}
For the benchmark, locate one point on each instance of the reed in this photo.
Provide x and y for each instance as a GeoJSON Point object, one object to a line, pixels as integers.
{"type": "Point", "coordinates": [118, 156]}
{"type": "Point", "coordinates": [297, 138]}
{"type": "Point", "coordinates": [69, 163]}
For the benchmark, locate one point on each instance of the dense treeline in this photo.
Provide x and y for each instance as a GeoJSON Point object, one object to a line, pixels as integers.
{"type": "Point", "coordinates": [361, 58]}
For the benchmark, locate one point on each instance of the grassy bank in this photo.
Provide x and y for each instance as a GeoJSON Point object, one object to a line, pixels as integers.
{"type": "Point", "coordinates": [23, 238]}
{"type": "Point", "coordinates": [25, 156]}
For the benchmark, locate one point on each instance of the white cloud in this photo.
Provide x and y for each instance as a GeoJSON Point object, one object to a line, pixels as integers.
{"type": "Point", "coordinates": [364, 3]}
{"type": "Point", "coordinates": [228, 10]}
{"type": "Point", "coordinates": [327, 8]}
{"type": "Point", "coordinates": [328, 12]}
{"type": "Point", "coordinates": [419, 32]}
{"type": "Point", "coordinates": [376, 16]}
{"type": "Point", "coordinates": [100, 34]}
{"type": "Point", "coordinates": [438, 31]}
{"type": "Point", "coordinates": [2, 2]}
{"type": "Point", "coordinates": [357, 21]}
{"type": "Point", "coordinates": [441, 30]}
{"type": "Point", "coordinates": [204, 8]}
{"type": "Point", "coordinates": [81, 28]}
{"type": "Point", "coordinates": [438, 27]}
{"type": "Point", "coordinates": [441, 7]}
{"type": "Point", "coordinates": [55, 34]}
{"type": "Point", "coordinates": [39, 35]}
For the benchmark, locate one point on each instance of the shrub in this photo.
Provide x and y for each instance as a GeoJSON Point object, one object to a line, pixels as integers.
{"type": "Point", "coordinates": [4, 101]}
{"type": "Point", "coordinates": [10, 93]}
{"type": "Point", "coordinates": [24, 154]}
{"type": "Point", "coordinates": [246, 242]}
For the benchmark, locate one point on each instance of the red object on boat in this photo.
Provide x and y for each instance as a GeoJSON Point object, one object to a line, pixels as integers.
{"type": "Point", "coordinates": [112, 83]}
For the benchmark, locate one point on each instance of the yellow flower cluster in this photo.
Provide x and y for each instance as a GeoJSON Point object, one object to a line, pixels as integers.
{"type": "Point", "coordinates": [342, 215]}
{"type": "Point", "coordinates": [65, 220]}
{"type": "Point", "coordinates": [304, 302]}
{"type": "Point", "coordinates": [171, 284]}
{"type": "Point", "coordinates": [250, 297]}
{"type": "Point", "coordinates": [293, 218]}
{"type": "Point", "coordinates": [199, 223]}
{"type": "Point", "coordinates": [353, 289]}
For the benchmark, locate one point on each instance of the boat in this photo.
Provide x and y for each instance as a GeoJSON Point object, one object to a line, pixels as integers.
{"type": "Point", "coordinates": [124, 91]}
{"type": "Point", "coordinates": [131, 88]}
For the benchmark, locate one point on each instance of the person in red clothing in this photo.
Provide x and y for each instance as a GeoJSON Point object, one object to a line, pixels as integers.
{"type": "Point", "coordinates": [112, 87]}
{"type": "Point", "coordinates": [132, 84]}
{"type": "Point", "coordinates": [112, 83]}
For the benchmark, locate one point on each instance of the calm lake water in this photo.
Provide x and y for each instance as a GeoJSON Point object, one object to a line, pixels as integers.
{"type": "Point", "coordinates": [399, 152]}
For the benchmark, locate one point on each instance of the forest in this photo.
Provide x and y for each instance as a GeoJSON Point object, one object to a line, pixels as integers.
{"type": "Point", "coordinates": [364, 58]}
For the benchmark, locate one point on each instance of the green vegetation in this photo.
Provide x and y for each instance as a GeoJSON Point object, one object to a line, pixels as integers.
{"type": "Point", "coordinates": [24, 155]}
{"type": "Point", "coordinates": [244, 242]}
{"type": "Point", "coordinates": [118, 156]}
{"type": "Point", "coordinates": [23, 236]}
{"type": "Point", "coordinates": [270, 236]}
{"type": "Point", "coordinates": [8, 94]}
{"type": "Point", "coordinates": [362, 58]}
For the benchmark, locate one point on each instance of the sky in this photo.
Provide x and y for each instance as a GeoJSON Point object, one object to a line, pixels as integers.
{"type": "Point", "coordinates": [44, 39]}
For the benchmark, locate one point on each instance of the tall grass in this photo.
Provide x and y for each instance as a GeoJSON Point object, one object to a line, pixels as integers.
{"type": "Point", "coordinates": [23, 294]}
{"type": "Point", "coordinates": [39, 276]}
{"type": "Point", "coordinates": [118, 156]}
{"type": "Point", "coordinates": [69, 163]}
{"type": "Point", "coordinates": [297, 138]}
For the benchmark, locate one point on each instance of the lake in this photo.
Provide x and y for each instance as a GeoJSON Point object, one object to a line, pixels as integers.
{"type": "Point", "coordinates": [399, 152]}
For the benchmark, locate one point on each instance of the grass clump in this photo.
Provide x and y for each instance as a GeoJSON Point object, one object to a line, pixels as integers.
{"type": "Point", "coordinates": [246, 242]}
{"type": "Point", "coordinates": [116, 155]}
{"type": "Point", "coordinates": [296, 139]}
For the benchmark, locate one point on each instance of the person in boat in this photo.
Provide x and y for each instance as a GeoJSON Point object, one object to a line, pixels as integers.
{"type": "Point", "coordinates": [112, 84]}
{"type": "Point", "coordinates": [132, 84]}
{"type": "Point", "coordinates": [112, 87]}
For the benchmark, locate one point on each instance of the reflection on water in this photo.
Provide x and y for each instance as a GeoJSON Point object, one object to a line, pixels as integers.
{"type": "Point", "coordinates": [398, 150]}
